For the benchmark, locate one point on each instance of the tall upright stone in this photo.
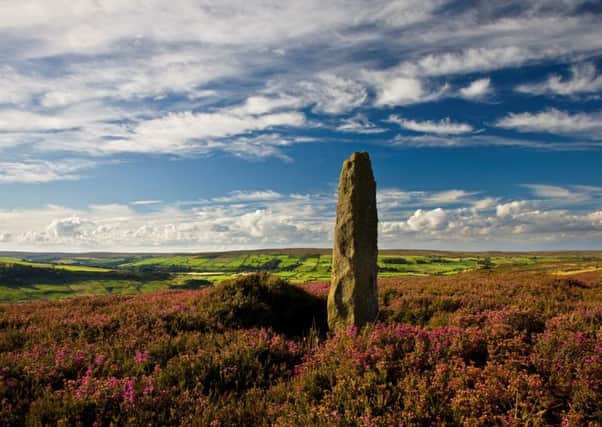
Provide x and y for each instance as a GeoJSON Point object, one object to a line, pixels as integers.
{"type": "Point", "coordinates": [352, 299]}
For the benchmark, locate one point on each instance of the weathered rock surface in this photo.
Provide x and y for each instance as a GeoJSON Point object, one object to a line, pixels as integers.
{"type": "Point", "coordinates": [352, 299]}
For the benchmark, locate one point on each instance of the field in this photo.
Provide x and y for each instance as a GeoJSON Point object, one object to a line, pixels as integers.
{"type": "Point", "coordinates": [490, 346]}
{"type": "Point", "coordinates": [51, 276]}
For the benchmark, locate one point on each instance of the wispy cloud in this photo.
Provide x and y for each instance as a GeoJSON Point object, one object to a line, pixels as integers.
{"type": "Point", "coordinates": [584, 79]}
{"type": "Point", "coordinates": [566, 195]}
{"type": "Point", "coordinates": [145, 202]}
{"type": "Point", "coordinates": [555, 121]}
{"type": "Point", "coordinates": [249, 196]}
{"type": "Point", "coordinates": [359, 123]}
{"type": "Point", "coordinates": [469, 60]}
{"type": "Point", "coordinates": [236, 70]}
{"type": "Point", "coordinates": [441, 127]}
{"type": "Point", "coordinates": [479, 140]}
{"type": "Point", "coordinates": [477, 89]}
{"type": "Point", "coordinates": [42, 171]}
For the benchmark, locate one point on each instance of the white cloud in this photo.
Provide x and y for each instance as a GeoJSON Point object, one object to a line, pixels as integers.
{"type": "Point", "coordinates": [71, 227]}
{"type": "Point", "coordinates": [584, 79]}
{"type": "Point", "coordinates": [256, 105]}
{"type": "Point", "coordinates": [555, 121]}
{"type": "Point", "coordinates": [359, 123]}
{"type": "Point", "coordinates": [17, 88]}
{"type": "Point", "coordinates": [435, 219]}
{"type": "Point", "coordinates": [550, 191]}
{"type": "Point", "coordinates": [473, 59]}
{"type": "Point", "coordinates": [128, 65]}
{"type": "Point", "coordinates": [261, 146]}
{"type": "Point", "coordinates": [446, 197]}
{"type": "Point", "coordinates": [442, 127]}
{"type": "Point", "coordinates": [332, 94]}
{"type": "Point", "coordinates": [243, 220]}
{"type": "Point", "coordinates": [477, 89]}
{"type": "Point", "coordinates": [248, 196]}
{"type": "Point", "coordinates": [392, 201]}
{"type": "Point", "coordinates": [15, 121]}
{"type": "Point", "coordinates": [566, 194]}
{"type": "Point", "coordinates": [479, 140]}
{"type": "Point", "coordinates": [40, 171]}
{"type": "Point", "coordinates": [326, 92]}
{"type": "Point", "coordinates": [145, 202]}
{"type": "Point", "coordinates": [265, 218]}
{"type": "Point", "coordinates": [398, 90]}
{"type": "Point", "coordinates": [483, 204]}
{"type": "Point", "coordinates": [514, 208]}
{"type": "Point", "coordinates": [197, 132]}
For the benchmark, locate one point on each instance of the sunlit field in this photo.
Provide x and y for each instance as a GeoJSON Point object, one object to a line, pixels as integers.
{"type": "Point", "coordinates": [47, 276]}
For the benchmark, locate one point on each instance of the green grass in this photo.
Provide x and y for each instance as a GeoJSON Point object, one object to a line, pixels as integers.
{"type": "Point", "coordinates": [60, 266]}
{"type": "Point", "coordinates": [55, 276]}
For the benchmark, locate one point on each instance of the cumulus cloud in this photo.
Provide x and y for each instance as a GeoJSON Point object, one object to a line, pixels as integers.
{"type": "Point", "coordinates": [486, 203]}
{"type": "Point", "coordinates": [555, 121]}
{"type": "Point", "coordinates": [421, 220]}
{"type": "Point", "coordinates": [265, 218]}
{"type": "Point", "coordinates": [442, 127]}
{"type": "Point", "coordinates": [584, 79]}
{"type": "Point", "coordinates": [243, 220]}
{"type": "Point", "coordinates": [70, 227]}
{"type": "Point", "coordinates": [513, 209]}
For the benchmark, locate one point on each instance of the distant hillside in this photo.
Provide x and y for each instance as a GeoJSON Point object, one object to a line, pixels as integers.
{"type": "Point", "coordinates": [27, 276]}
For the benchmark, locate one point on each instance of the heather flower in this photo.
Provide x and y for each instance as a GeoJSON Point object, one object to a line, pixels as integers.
{"type": "Point", "coordinates": [79, 357]}
{"type": "Point", "coordinates": [59, 357]}
{"type": "Point", "coordinates": [99, 359]}
{"type": "Point", "coordinates": [85, 387]}
{"type": "Point", "coordinates": [128, 391]}
{"type": "Point", "coordinates": [141, 357]}
{"type": "Point", "coordinates": [112, 382]}
{"type": "Point", "coordinates": [149, 387]}
{"type": "Point", "coordinates": [511, 353]}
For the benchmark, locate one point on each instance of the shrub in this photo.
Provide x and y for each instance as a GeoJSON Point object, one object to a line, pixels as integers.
{"type": "Point", "coordinates": [264, 300]}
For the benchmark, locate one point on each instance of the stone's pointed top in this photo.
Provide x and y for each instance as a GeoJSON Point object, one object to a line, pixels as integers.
{"type": "Point", "coordinates": [356, 175]}
{"type": "Point", "coordinates": [359, 154]}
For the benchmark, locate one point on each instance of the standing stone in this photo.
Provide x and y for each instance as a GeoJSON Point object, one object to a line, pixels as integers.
{"type": "Point", "coordinates": [352, 299]}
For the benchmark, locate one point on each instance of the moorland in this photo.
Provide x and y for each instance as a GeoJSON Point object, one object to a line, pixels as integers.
{"type": "Point", "coordinates": [460, 339]}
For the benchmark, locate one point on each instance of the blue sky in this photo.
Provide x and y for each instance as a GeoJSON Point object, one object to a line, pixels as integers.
{"type": "Point", "coordinates": [133, 126]}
